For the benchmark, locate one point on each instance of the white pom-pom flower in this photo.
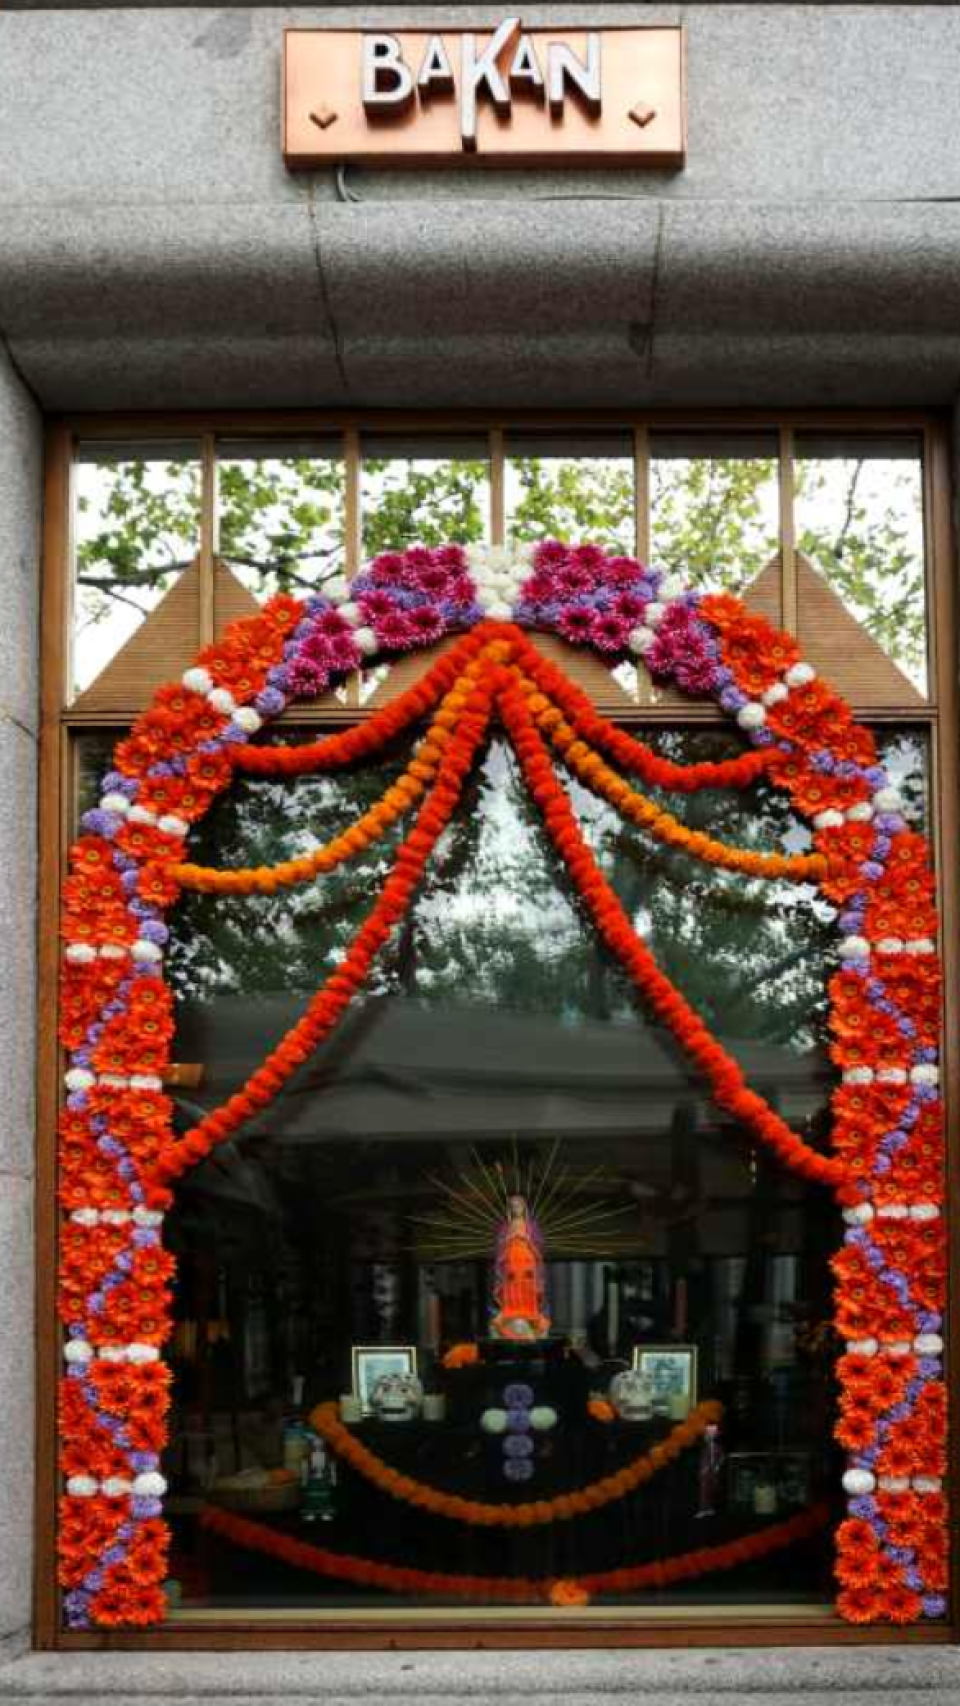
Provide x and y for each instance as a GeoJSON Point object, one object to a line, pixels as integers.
{"type": "Point", "coordinates": [640, 640]}
{"type": "Point", "coordinates": [116, 803]}
{"type": "Point", "coordinates": [928, 1344]}
{"type": "Point", "coordinates": [925, 1211]}
{"type": "Point", "coordinates": [888, 800]}
{"type": "Point", "coordinates": [670, 587]}
{"type": "Point", "coordinates": [856, 1482]}
{"type": "Point", "coordinates": [221, 699]}
{"type": "Point", "coordinates": [366, 641]}
{"type": "Point", "coordinates": [654, 613]}
{"type": "Point", "coordinates": [140, 1354]}
{"type": "Point", "coordinates": [854, 948]}
{"type": "Point", "coordinates": [891, 1075]}
{"type": "Point", "coordinates": [890, 945]}
{"type": "Point", "coordinates": [113, 1353]}
{"type": "Point", "coordinates": [114, 1081]}
{"type": "Point", "coordinates": [862, 812]}
{"type": "Point", "coordinates": [864, 1347]}
{"type": "Point", "coordinates": [494, 1421]}
{"type": "Point", "coordinates": [141, 814]}
{"type": "Point", "coordinates": [775, 695]}
{"type": "Point", "coordinates": [113, 951]}
{"type": "Point", "coordinates": [751, 715]}
{"type": "Point", "coordinates": [77, 1351]}
{"type": "Point", "coordinates": [893, 1483]}
{"type": "Point", "coordinates": [857, 1075]}
{"type": "Point", "coordinates": [147, 1216]}
{"type": "Point", "coordinates": [149, 1485]}
{"type": "Point", "coordinates": [897, 1347]}
{"type": "Point", "coordinates": [80, 953]}
{"type": "Point", "coordinates": [197, 679]}
{"type": "Point", "coordinates": [173, 825]}
{"type": "Point", "coordinates": [145, 1081]}
{"type": "Point", "coordinates": [828, 819]}
{"type": "Point", "coordinates": [146, 953]}
{"type": "Point", "coordinates": [926, 1073]}
{"type": "Point", "coordinates": [116, 1216]}
{"type": "Point", "coordinates": [337, 589]}
{"type": "Point", "coordinates": [116, 1487]}
{"type": "Point", "coordinates": [927, 1483]}
{"type": "Point", "coordinates": [85, 1216]}
{"type": "Point", "coordinates": [860, 1214]}
{"type": "Point", "coordinates": [892, 1211]}
{"type": "Point", "coordinates": [82, 1486]}
{"type": "Point", "coordinates": [247, 719]}
{"type": "Point", "coordinates": [919, 945]}
{"type": "Point", "coordinates": [799, 674]}
{"type": "Point", "coordinates": [78, 1078]}
{"type": "Point", "coordinates": [542, 1418]}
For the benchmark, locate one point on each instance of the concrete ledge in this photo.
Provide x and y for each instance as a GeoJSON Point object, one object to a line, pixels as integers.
{"type": "Point", "coordinates": [811, 1676]}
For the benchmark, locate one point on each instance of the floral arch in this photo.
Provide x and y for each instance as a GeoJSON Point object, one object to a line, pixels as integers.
{"type": "Point", "coordinates": [119, 1157]}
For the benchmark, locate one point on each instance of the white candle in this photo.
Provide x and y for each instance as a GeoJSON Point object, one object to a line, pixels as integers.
{"type": "Point", "coordinates": [350, 1408]}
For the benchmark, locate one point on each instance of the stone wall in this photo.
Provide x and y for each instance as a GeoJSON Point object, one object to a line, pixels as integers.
{"type": "Point", "coordinates": [19, 552]}
{"type": "Point", "coordinates": [156, 253]}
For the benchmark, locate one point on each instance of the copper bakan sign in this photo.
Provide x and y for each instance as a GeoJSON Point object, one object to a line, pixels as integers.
{"type": "Point", "coordinates": [485, 96]}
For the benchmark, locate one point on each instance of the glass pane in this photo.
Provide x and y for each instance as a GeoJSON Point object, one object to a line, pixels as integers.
{"type": "Point", "coordinates": [137, 526]}
{"type": "Point", "coordinates": [495, 1034]}
{"type": "Point", "coordinates": [422, 491]}
{"type": "Point", "coordinates": [859, 519]}
{"type": "Point", "coordinates": [714, 507]}
{"type": "Point", "coordinates": [573, 486]}
{"type": "Point", "coordinates": [281, 512]}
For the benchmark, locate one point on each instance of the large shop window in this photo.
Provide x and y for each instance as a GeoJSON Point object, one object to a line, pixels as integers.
{"type": "Point", "coordinates": [492, 1309]}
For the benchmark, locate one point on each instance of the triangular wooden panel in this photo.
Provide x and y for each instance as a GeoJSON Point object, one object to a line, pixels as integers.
{"type": "Point", "coordinates": [583, 667]}
{"type": "Point", "coordinates": [231, 599]}
{"type": "Point", "coordinates": [763, 597]}
{"type": "Point", "coordinates": [163, 646]}
{"type": "Point", "coordinates": [842, 651]}
{"type": "Point", "coordinates": [166, 642]}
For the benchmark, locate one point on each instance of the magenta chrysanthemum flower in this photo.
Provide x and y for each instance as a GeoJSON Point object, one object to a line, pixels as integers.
{"type": "Point", "coordinates": [435, 581]}
{"type": "Point", "coordinates": [549, 555]}
{"type": "Point", "coordinates": [450, 557]}
{"type": "Point", "coordinates": [427, 623]}
{"type": "Point", "coordinates": [576, 623]}
{"type": "Point", "coordinates": [539, 588]}
{"type": "Point", "coordinates": [570, 581]}
{"type": "Point", "coordinates": [386, 568]}
{"type": "Point", "coordinates": [461, 589]}
{"type": "Point", "coordinates": [621, 571]}
{"type": "Point", "coordinates": [588, 558]}
{"type": "Point", "coordinates": [375, 604]}
{"type": "Point", "coordinates": [306, 676]}
{"type": "Point", "coordinates": [609, 631]}
{"type": "Point", "coordinates": [629, 605]}
{"type": "Point", "coordinates": [394, 631]}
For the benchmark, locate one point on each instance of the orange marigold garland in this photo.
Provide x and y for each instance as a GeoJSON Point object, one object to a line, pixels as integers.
{"type": "Point", "coordinates": [118, 1154]}
{"type": "Point", "coordinates": [514, 1590]}
{"type": "Point", "coordinates": [532, 1514]}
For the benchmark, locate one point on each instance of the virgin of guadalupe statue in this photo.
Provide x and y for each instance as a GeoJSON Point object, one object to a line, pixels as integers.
{"type": "Point", "coordinates": [520, 1285]}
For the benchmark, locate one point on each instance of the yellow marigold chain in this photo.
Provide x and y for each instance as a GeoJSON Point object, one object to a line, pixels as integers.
{"type": "Point", "coordinates": [590, 768]}
{"type": "Point", "coordinates": [478, 1513]}
{"type": "Point", "coordinates": [374, 823]}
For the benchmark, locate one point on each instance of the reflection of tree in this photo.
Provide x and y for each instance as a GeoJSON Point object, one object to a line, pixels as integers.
{"type": "Point", "coordinates": [495, 922]}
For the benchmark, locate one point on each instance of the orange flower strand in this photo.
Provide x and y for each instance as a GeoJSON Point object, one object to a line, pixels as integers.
{"type": "Point", "coordinates": [367, 738]}
{"type": "Point", "coordinates": [520, 1590]}
{"type": "Point", "coordinates": [370, 827]}
{"type": "Point", "coordinates": [341, 986]}
{"type": "Point", "coordinates": [591, 769]}
{"type": "Point", "coordinates": [479, 1514]}
{"type": "Point", "coordinates": [634, 755]}
{"type": "Point", "coordinates": [729, 1088]}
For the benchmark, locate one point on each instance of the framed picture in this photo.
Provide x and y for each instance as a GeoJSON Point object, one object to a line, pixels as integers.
{"type": "Point", "coordinates": [768, 1482]}
{"type": "Point", "coordinates": [372, 1361]}
{"type": "Point", "coordinates": [672, 1372]}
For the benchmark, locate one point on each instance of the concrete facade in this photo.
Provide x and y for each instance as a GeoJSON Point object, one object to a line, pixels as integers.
{"type": "Point", "coordinates": [154, 253]}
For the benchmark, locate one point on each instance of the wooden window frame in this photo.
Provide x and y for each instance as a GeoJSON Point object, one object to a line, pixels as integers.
{"type": "Point", "coordinates": [413, 1629]}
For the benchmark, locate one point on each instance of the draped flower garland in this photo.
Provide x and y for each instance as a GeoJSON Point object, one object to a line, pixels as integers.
{"type": "Point", "coordinates": [119, 1157]}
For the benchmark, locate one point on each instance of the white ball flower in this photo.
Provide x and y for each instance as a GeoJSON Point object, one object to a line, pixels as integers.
{"type": "Point", "coordinates": [799, 674]}
{"type": "Point", "coordinates": [752, 715]}
{"type": "Point", "coordinates": [82, 1486]}
{"type": "Point", "coordinates": [116, 1487]}
{"type": "Point", "coordinates": [858, 1075]}
{"type": "Point", "coordinates": [890, 945]}
{"type": "Point", "coordinates": [366, 641]}
{"type": "Point", "coordinates": [891, 1075]}
{"type": "Point", "coordinates": [670, 587]}
{"type": "Point", "coordinates": [80, 953]}
{"type": "Point", "coordinates": [919, 945]}
{"type": "Point", "coordinates": [113, 951]}
{"type": "Point", "coordinates": [893, 1483]}
{"type": "Point", "coordinates": [85, 1216]}
{"type": "Point", "coordinates": [928, 1344]}
{"type": "Point", "coordinates": [78, 1079]}
{"type": "Point", "coordinates": [927, 1483]}
{"type": "Point", "coordinates": [494, 1421]}
{"type": "Point", "coordinates": [220, 699]}
{"type": "Point", "coordinates": [888, 800]}
{"type": "Point", "coordinates": [828, 819]}
{"type": "Point", "coordinates": [926, 1073]}
{"type": "Point", "coordinates": [862, 812]}
{"type": "Point", "coordinates": [775, 695]}
{"type": "Point", "coordinates": [856, 1482]}
{"type": "Point", "coordinates": [640, 640]}
{"type": "Point", "coordinates": [141, 814]}
{"type": "Point", "coordinates": [77, 1351]}
{"type": "Point", "coordinates": [654, 613]}
{"type": "Point", "coordinates": [924, 1211]}
{"type": "Point", "coordinates": [542, 1418]}
{"type": "Point", "coordinates": [116, 803]}
{"type": "Point", "coordinates": [854, 948]}
{"type": "Point", "coordinates": [145, 953]}
{"type": "Point", "coordinates": [864, 1347]}
{"type": "Point", "coordinates": [140, 1354]}
{"type": "Point", "coordinates": [337, 589]}
{"type": "Point", "coordinates": [247, 719]}
{"type": "Point", "coordinates": [149, 1485]}
{"type": "Point", "coordinates": [197, 679]}
{"type": "Point", "coordinates": [860, 1214]}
